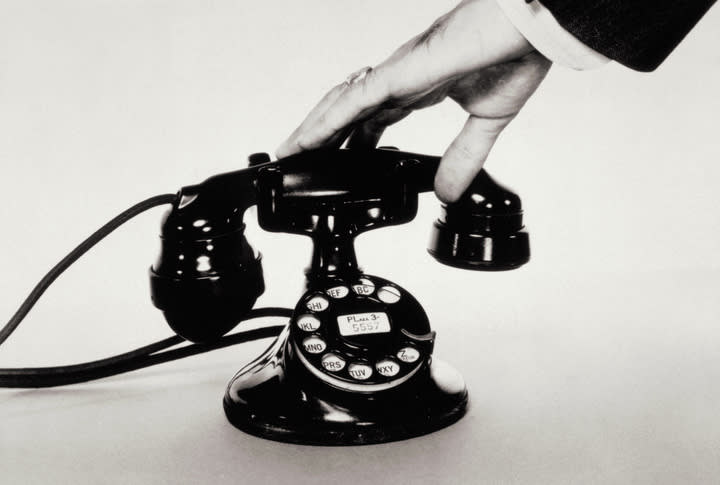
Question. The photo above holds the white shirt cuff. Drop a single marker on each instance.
(538, 25)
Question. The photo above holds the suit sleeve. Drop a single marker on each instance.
(639, 34)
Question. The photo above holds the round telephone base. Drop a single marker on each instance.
(280, 410)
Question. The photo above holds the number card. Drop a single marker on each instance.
(363, 323)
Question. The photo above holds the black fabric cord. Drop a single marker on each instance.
(36, 377)
(148, 355)
(81, 249)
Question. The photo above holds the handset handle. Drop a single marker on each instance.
(322, 177)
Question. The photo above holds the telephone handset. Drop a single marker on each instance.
(354, 365)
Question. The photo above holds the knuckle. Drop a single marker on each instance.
(464, 151)
(373, 87)
(496, 125)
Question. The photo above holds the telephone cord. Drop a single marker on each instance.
(148, 355)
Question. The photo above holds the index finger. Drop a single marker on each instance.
(291, 146)
(354, 101)
(360, 100)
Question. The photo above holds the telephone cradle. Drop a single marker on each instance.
(354, 364)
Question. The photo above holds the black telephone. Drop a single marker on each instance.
(354, 365)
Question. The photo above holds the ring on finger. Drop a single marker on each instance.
(357, 76)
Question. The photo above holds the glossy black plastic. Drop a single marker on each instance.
(334, 195)
(483, 230)
(277, 399)
(204, 280)
(334, 200)
(207, 276)
(286, 395)
(374, 331)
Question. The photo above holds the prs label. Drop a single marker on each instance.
(363, 323)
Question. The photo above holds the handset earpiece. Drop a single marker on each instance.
(483, 230)
(207, 277)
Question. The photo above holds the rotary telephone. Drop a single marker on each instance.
(354, 364)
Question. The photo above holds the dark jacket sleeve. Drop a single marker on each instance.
(639, 34)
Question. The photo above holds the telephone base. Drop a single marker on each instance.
(271, 399)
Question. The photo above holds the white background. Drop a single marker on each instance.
(598, 361)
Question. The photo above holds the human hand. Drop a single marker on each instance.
(473, 55)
